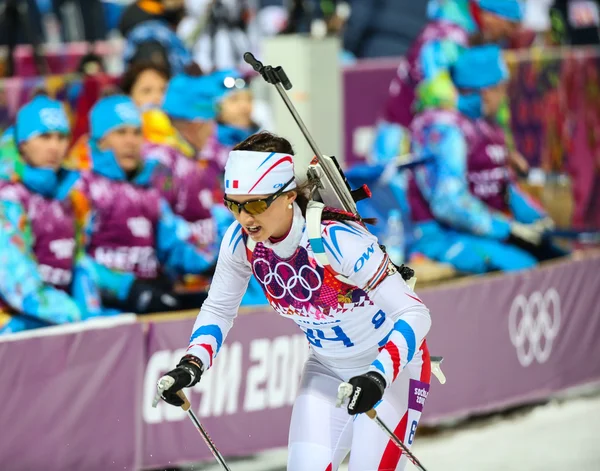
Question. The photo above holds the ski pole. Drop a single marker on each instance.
(164, 384)
(345, 391)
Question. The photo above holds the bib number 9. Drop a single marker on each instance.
(378, 319)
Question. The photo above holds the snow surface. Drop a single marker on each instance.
(558, 436)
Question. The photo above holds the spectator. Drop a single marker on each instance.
(146, 84)
(137, 243)
(218, 30)
(234, 122)
(148, 93)
(86, 93)
(81, 20)
(423, 76)
(192, 198)
(191, 105)
(20, 23)
(467, 209)
(378, 28)
(149, 27)
(44, 279)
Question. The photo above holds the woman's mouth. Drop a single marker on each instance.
(253, 230)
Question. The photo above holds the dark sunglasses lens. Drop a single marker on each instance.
(231, 206)
(255, 207)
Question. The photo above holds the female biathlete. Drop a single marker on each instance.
(368, 330)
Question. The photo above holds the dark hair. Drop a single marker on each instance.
(268, 142)
(265, 141)
(193, 70)
(138, 68)
(39, 91)
(90, 59)
(151, 51)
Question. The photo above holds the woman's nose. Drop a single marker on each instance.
(246, 219)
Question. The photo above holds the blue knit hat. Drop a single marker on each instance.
(511, 10)
(39, 116)
(195, 98)
(111, 113)
(480, 67)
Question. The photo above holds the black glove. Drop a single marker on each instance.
(368, 391)
(146, 296)
(187, 374)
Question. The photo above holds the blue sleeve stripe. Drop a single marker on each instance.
(211, 329)
(317, 245)
(237, 242)
(331, 251)
(351, 228)
(333, 235)
(409, 335)
(377, 364)
(385, 339)
(237, 229)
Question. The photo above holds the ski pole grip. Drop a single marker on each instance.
(186, 403)
(372, 414)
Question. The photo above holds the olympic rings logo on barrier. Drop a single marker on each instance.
(286, 279)
(538, 326)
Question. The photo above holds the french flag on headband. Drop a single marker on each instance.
(258, 173)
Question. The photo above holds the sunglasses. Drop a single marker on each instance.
(254, 207)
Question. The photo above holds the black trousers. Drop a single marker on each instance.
(81, 20)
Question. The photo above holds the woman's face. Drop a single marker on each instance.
(274, 222)
(236, 109)
(126, 144)
(149, 89)
(47, 150)
(492, 98)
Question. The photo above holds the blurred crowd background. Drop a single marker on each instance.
(118, 116)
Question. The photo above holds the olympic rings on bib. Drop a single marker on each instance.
(285, 280)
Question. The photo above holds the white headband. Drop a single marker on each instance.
(258, 173)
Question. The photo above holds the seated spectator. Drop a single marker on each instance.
(138, 245)
(149, 28)
(234, 122)
(146, 84)
(44, 279)
(423, 76)
(192, 198)
(467, 209)
(190, 103)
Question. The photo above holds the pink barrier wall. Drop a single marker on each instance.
(79, 397)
